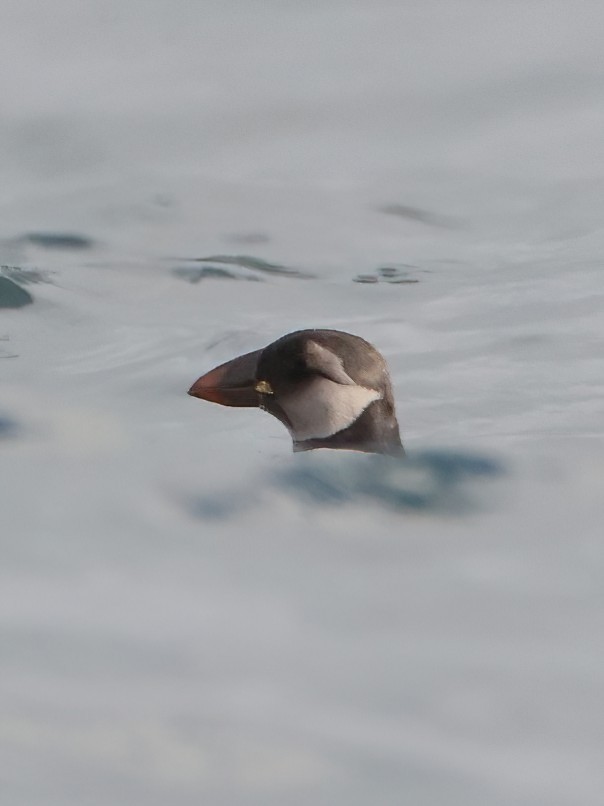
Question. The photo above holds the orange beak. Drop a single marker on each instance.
(230, 384)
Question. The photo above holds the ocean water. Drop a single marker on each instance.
(189, 613)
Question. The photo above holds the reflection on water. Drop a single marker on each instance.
(397, 274)
(254, 264)
(8, 426)
(194, 275)
(423, 216)
(12, 295)
(24, 276)
(57, 240)
(430, 481)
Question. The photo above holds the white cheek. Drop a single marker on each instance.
(322, 408)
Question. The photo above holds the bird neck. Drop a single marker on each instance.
(375, 431)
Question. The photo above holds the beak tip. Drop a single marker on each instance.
(201, 392)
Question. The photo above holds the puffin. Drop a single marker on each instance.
(329, 388)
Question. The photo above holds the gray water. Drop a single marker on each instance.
(188, 612)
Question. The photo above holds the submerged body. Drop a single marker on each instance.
(329, 388)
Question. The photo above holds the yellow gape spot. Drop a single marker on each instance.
(263, 388)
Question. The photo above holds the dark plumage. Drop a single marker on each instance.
(329, 388)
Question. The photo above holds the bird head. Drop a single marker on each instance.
(329, 388)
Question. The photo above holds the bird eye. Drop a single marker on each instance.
(263, 388)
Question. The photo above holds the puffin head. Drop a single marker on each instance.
(330, 389)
